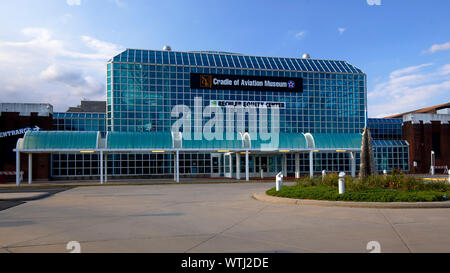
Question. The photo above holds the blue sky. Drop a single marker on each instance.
(55, 50)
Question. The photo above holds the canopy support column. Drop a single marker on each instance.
(30, 168)
(283, 165)
(101, 167)
(311, 163)
(175, 166)
(231, 164)
(238, 166)
(17, 168)
(224, 157)
(297, 165)
(106, 168)
(177, 169)
(353, 163)
(247, 176)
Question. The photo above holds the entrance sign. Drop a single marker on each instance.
(19, 131)
(245, 83)
(224, 103)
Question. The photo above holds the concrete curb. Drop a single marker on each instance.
(378, 205)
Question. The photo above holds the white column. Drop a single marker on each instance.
(231, 165)
(175, 166)
(284, 164)
(297, 165)
(353, 163)
(238, 166)
(101, 167)
(311, 163)
(224, 165)
(30, 168)
(178, 167)
(246, 167)
(17, 168)
(106, 168)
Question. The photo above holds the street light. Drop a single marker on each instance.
(432, 163)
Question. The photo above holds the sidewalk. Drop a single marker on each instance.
(118, 182)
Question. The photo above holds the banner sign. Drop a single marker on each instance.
(18, 131)
(224, 103)
(245, 83)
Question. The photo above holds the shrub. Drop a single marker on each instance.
(394, 187)
(386, 195)
(394, 181)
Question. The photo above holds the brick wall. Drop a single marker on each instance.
(419, 137)
(41, 162)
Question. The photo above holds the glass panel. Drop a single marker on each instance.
(256, 63)
(247, 61)
(230, 61)
(218, 61)
(205, 60)
(211, 60)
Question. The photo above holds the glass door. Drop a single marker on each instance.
(215, 165)
(228, 163)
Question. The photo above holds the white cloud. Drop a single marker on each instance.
(408, 70)
(373, 2)
(73, 2)
(45, 69)
(300, 34)
(341, 30)
(410, 88)
(445, 70)
(118, 3)
(438, 47)
(65, 18)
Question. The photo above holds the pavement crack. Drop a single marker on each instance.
(228, 228)
(396, 231)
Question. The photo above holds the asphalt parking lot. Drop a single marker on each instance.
(210, 218)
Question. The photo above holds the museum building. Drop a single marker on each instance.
(217, 114)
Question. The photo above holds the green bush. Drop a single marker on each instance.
(395, 187)
(394, 181)
(331, 193)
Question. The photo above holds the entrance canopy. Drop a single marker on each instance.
(56, 141)
(64, 141)
(161, 142)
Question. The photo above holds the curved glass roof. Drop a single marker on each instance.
(60, 140)
(130, 140)
(231, 60)
(337, 141)
(212, 144)
(286, 141)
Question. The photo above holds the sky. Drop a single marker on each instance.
(55, 51)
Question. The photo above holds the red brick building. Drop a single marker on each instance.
(15, 120)
(427, 130)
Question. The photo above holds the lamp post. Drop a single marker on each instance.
(432, 163)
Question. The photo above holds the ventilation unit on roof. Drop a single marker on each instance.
(306, 56)
(167, 48)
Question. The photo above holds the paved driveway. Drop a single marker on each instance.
(211, 218)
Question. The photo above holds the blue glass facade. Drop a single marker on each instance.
(65, 121)
(385, 129)
(391, 154)
(390, 151)
(76, 165)
(144, 85)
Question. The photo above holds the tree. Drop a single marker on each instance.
(367, 166)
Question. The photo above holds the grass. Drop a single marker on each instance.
(395, 187)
